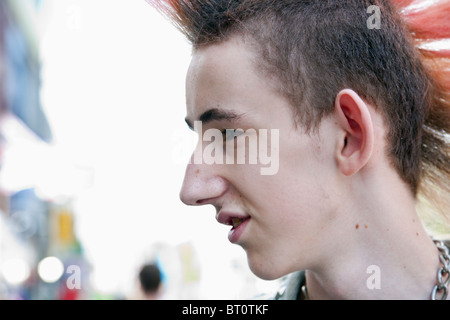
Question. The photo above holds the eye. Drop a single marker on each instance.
(230, 134)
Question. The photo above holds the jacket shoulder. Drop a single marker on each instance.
(290, 287)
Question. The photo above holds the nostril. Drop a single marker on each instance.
(201, 187)
(203, 201)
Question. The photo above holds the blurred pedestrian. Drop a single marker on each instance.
(150, 281)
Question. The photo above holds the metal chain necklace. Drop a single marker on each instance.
(443, 275)
(440, 290)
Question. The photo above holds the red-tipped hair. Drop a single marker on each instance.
(428, 25)
(431, 22)
(401, 4)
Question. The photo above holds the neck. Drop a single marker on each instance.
(381, 252)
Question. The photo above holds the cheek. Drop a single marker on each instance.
(295, 203)
(307, 169)
(298, 189)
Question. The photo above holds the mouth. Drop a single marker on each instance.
(237, 222)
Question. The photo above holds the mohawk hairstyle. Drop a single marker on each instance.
(315, 48)
(202, 22)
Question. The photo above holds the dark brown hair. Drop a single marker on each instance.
(150, 278)
(315, 48)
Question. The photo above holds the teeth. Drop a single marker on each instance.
(236, 222)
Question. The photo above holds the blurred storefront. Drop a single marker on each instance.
(40, 256)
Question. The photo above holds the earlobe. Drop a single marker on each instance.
(355, 144)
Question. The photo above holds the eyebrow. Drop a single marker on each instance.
(214, 114)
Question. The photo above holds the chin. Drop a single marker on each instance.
(264, 268)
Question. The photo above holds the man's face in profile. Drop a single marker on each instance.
(276, 218)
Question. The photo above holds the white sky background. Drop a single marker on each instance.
(113, 89)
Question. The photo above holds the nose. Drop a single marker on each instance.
(202, 185)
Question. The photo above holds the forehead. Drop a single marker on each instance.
(225, 63)
(223, 74)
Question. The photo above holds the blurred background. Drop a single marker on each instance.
(93, 152)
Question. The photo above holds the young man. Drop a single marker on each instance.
(359, 121)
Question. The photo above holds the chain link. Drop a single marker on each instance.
(440, 290)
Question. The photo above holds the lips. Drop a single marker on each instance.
(237, 221)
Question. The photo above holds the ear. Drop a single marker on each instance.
(355, 143)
